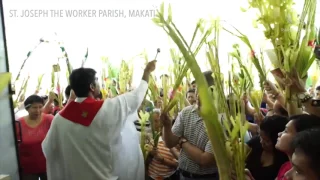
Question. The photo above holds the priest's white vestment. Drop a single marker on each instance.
(128, 152)
(84, 137)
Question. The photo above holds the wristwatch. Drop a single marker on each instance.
(182, 141)
(304, 97)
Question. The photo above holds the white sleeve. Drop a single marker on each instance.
(49, 143)
(131, 101)
(51, 153)
(127, 103)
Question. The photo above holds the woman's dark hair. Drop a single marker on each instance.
(303, 122)
(81, 79)
(308, 142)
(272, 126)
(32, 99)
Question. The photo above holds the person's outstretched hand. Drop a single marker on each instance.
(151, 66)
(52, 96)
(270, 87)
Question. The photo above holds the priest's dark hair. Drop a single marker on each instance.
(81, 79)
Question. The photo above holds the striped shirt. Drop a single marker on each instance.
(190, 126)
(158, 170)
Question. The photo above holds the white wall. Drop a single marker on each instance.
(8, 158)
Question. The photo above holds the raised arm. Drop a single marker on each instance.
(131, 101)
(171, 134)
(48, 106)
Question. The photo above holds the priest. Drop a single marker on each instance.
(82, 140)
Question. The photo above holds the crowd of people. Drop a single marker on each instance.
(94, 139)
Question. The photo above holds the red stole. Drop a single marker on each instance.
(81, 113)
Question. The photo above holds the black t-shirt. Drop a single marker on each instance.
(253, 162)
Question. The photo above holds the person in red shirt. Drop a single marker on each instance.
(34, 128)
(48, 109)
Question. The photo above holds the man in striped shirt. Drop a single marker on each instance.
(163, 164)
(196, 160)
